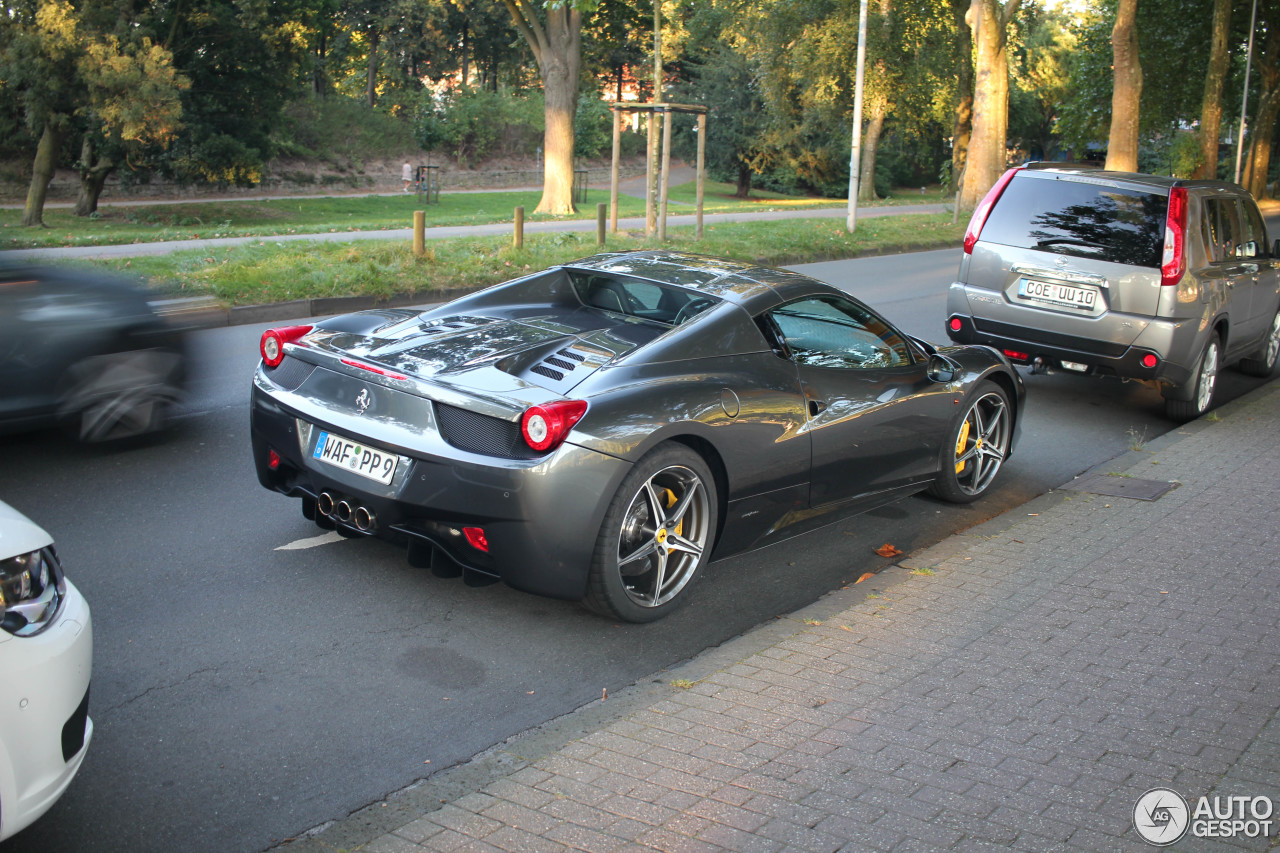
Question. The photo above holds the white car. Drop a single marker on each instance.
(46, 658)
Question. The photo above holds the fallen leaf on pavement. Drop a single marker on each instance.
(865, 576)
(887, 550)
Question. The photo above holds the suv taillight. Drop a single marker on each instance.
(983, 210)
(1173, 263)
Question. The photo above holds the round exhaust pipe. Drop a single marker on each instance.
(365, 519)
(343, 511)
(324, 504)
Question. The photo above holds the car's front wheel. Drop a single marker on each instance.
(1202, 385)
(1263, 362)
(656, 536)
(119, 395)
(977, 447)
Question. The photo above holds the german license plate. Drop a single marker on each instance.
(1058, 294)
(355, 457)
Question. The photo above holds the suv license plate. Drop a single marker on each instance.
(1058, 294)
(355, 457)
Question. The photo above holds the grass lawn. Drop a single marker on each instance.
(203, 220)
(277, 272)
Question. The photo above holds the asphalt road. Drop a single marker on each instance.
(254, 678)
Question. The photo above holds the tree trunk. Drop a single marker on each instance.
(1264, 123)
(319, 72)
(466, 55)
(1264, 129)
(963, 126)
(371, 78)
(557, 46)
(561, 88)
(1122, 144)
(870, 143)
(41, 174)
(92, 177)
(744, 181)
(1211, 107)
(987, 146)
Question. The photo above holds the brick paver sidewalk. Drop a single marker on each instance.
(1019, 686)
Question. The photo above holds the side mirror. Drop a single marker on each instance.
(941, 368)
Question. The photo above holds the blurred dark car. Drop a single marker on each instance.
(84, 351)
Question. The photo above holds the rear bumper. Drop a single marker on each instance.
(1023, 345)
(541, 517)
(44, 713)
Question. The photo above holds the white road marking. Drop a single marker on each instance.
(313, 542)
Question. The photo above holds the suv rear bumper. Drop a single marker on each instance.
(1100, 358)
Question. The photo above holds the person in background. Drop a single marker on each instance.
(406, 173)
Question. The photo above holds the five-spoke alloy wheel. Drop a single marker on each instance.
(656, 536)
(978, 447)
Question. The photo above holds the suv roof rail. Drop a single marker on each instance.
(1060, 164)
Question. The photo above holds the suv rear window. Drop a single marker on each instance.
(1084, 220)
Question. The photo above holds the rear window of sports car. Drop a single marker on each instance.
(646, 300)
(1083, 220)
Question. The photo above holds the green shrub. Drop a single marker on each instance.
(592, 127)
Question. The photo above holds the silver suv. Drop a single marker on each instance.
(1121, 274)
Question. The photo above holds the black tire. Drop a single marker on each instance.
(656, 537)
(1203, 382)
(1263, 362)
(976, 447)
(119, 395)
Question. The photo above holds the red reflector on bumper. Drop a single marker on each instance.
(476, 538)
(1150, 360)
(1017, 356)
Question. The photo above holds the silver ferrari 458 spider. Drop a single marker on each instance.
(600, 430)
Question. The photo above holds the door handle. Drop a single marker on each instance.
(816, 407)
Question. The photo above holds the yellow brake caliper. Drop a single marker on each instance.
(960, 443)
(671, 501)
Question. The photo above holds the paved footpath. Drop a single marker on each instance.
(1018, 686)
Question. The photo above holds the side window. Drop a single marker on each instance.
(829, 331)
(1253, 240)
(1220, 233)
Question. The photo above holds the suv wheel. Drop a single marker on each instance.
(1206, 377)
(1262, 362)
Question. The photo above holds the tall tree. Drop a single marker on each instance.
(962, 123)
(1211, 106)
(1268, 108)
(555, 37)
(1122, 143)
(986, 158)
(72, 77)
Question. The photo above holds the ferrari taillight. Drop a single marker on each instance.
(545, 427)
(273, 340)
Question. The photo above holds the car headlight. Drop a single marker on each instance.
(31, 591)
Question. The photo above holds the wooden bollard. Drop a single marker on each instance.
(601, 209)
(419, 232)
(518, 238)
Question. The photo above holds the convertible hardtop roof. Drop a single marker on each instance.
(732, 281)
